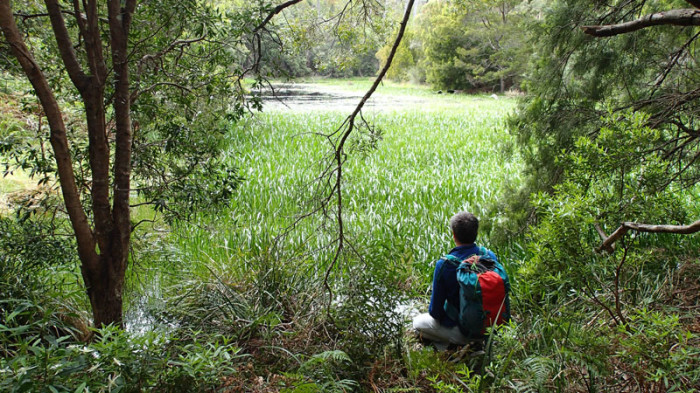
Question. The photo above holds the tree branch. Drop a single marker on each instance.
(627, 226)
(339, 154)
(681, 17)
(119, 26)
(274, 12)
(93, 41)
(694, 3)
(65, 46)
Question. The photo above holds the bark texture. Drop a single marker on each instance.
(682, 17)
(627, 226)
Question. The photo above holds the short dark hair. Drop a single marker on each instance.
(464, 226)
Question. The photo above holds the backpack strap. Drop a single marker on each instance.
(452, 260)
(450, 309)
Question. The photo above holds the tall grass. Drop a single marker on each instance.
(234, 276)
(430, 163)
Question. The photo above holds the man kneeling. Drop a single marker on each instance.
(442, 322)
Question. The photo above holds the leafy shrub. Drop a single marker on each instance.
(658, 353)
(30, 253)
(118, 361)
(583, 313)
(608, 180)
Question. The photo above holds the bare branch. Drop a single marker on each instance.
(173, 45)
(137, 93)
(627, 226)
(675, 58)
(339, 150)
(274, 12)
(681, 17)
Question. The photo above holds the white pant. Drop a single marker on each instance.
(431, 329)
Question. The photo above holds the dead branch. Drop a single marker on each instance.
(681, 17)
(627, 226)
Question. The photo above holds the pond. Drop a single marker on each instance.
(296, 97)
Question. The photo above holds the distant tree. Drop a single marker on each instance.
(325, 38)
(474, 44)
(403, 61)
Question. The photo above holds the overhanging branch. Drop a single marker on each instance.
(348, 126)
(627, 226)
(681, 17)
(274, 12)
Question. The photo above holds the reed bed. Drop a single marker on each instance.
(434, 160)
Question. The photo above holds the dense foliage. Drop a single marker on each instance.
(577, 80)
(467, 45)
(232, 285)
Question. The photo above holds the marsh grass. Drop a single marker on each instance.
(429, 164)
(230, 272)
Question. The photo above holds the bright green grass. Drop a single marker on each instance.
(433, 161)
(17, 181)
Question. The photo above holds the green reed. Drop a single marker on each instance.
(448, 154)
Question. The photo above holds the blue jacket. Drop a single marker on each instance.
(445, 285)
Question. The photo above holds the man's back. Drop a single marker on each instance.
(445, 285)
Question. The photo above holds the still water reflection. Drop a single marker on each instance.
(313, 97)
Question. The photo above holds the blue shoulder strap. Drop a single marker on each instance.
(452, 260)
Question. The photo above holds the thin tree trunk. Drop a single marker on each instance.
(58, 138)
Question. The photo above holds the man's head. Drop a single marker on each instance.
(464, 227)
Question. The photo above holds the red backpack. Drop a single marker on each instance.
(483, 294)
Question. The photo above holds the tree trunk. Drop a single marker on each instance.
(104, 250)
(105, 291)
